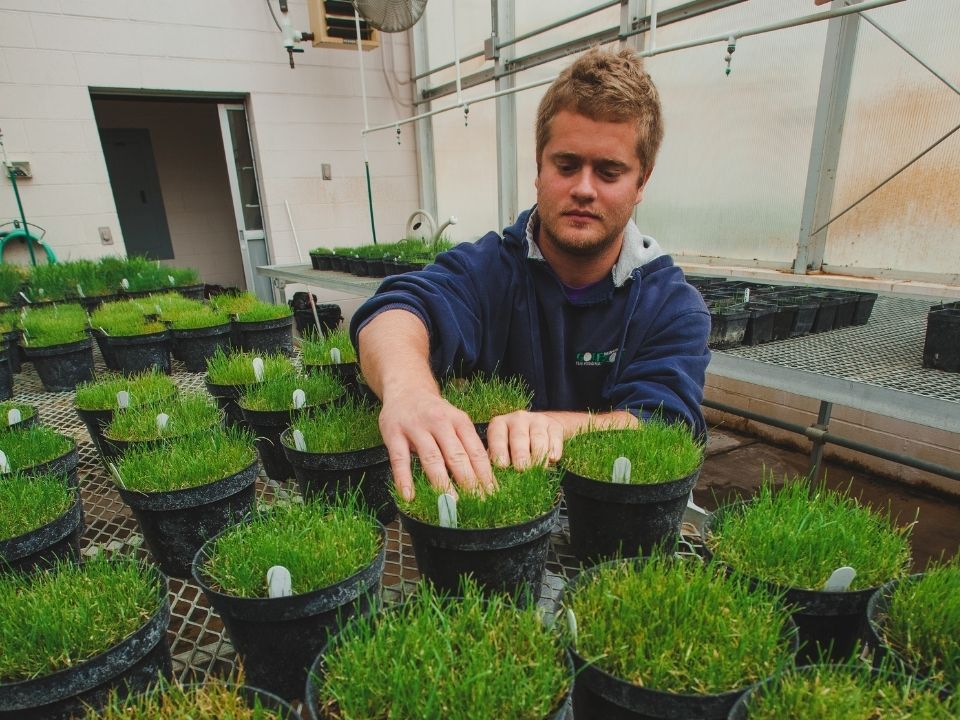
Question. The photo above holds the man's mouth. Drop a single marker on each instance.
(580, 215)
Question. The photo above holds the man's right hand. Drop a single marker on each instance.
(444, 439)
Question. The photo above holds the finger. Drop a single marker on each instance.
(398, 450)
(432, 461)
(477, 454)
(539, 441)
(456, 459)
(520, 445)
(498, 450)
(555, 431)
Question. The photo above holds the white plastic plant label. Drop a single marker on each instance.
(257, 363)
(116, 474)
(125, 284)
(162, 420)
(299, 399)
(335, 356)
(4, 463)
(14, 417)
(840, 579)
(123, 399)
(572, 625)
(159, 311)
(171, 280)
(298, 442)
(279, 583)
(621, 470)
(80, 290)
(447, 507)
(41, 292)
(746, 294)
(26, 300)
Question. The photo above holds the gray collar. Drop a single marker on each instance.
(638, 249)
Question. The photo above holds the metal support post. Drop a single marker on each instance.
(817, 433)
(835, 75)
(426, 165)
(502, 22)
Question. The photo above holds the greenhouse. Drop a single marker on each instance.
(371, 359)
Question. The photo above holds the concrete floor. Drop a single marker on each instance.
(735, 463)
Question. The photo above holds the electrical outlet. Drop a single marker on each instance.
(325, 172)
(21, 168)
(106, 235)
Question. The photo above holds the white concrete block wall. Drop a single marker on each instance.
(52, 53)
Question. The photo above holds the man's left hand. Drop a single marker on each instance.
(523, 438)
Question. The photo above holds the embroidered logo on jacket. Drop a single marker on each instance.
(596, 358)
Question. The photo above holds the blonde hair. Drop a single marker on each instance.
(606, 86)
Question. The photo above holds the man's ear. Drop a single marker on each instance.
(643, 185)
(536, 180)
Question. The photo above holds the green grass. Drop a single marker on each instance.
(145, 388)
(236, 368)
(434, 657)
(233, 303)
(658, 452)
(190, 413)
(264, 311)
(32, 446)
(923, 622)
(9, 319)
(196, 318)
(72, 279)
(29, 503)
(797, 536)
(56, 325)
(169, 304)
(26, 411)
(12, 279)
(277, 394)
(213, 700)
(849, 693)
(187, 462)
(484, 398)
(317, 352)
(319, 544)
(679, 626)
(341, 428)
(522, 495)
(321, 251)
(59, 618)
(143, 274)
(125, 318)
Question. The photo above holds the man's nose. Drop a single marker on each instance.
(585, 185)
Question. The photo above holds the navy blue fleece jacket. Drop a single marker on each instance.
(636, 341)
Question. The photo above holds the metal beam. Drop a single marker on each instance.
(426, 165)
(666, 17)
(503, 23)
(838, 56)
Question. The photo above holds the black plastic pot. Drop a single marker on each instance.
(846, 308)
(617, 519)
(865, 303)
(727, 328)
(323, 262)
(268, 426)
(328, 475)
(329, 315)
(760, 325)
(268, 336)
(826, 314)
(193, 347)
(136, 353)
(65, 464)
(278, 638)
(62, 367)
(375, 267)
(338, 263)
(346, 373)
(131, 666)
(12, 342)
(6, 375)
(941, 347)
(175, 524)
(194, 292)
(59, 539)
(311, 695)
(315, 261)
(106, 352)
(784, 319)
(507, 560)
(226, 397)
(358, 266)
(807, 309)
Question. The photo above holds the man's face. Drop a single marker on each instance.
(588, 182)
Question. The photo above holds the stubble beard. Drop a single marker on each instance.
(581, 248)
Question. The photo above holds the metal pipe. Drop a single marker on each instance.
(827, 437)
(722, 37)
(558, 23)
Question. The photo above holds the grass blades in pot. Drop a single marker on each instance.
(228, 374)
(97, 401)
(317, 355)
(269, 407)
(214, 700)
(634, 515)
(264, 327)
(55, 340)
(197, 334)
(850, 691)
(73, 633)
(334, 558)
(188, 489)
(39, 450)
(187, 414)
(917, 619)
(28, 416)
(671, 637)
(794, 538)
(343, 454)
(483, 398)
(41, 520)
(436, 656)
(131, 342)
(499, 539)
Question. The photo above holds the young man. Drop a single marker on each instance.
(573, 298)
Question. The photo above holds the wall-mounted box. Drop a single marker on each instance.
(333, 26)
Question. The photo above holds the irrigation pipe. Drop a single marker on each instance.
(708, 40)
